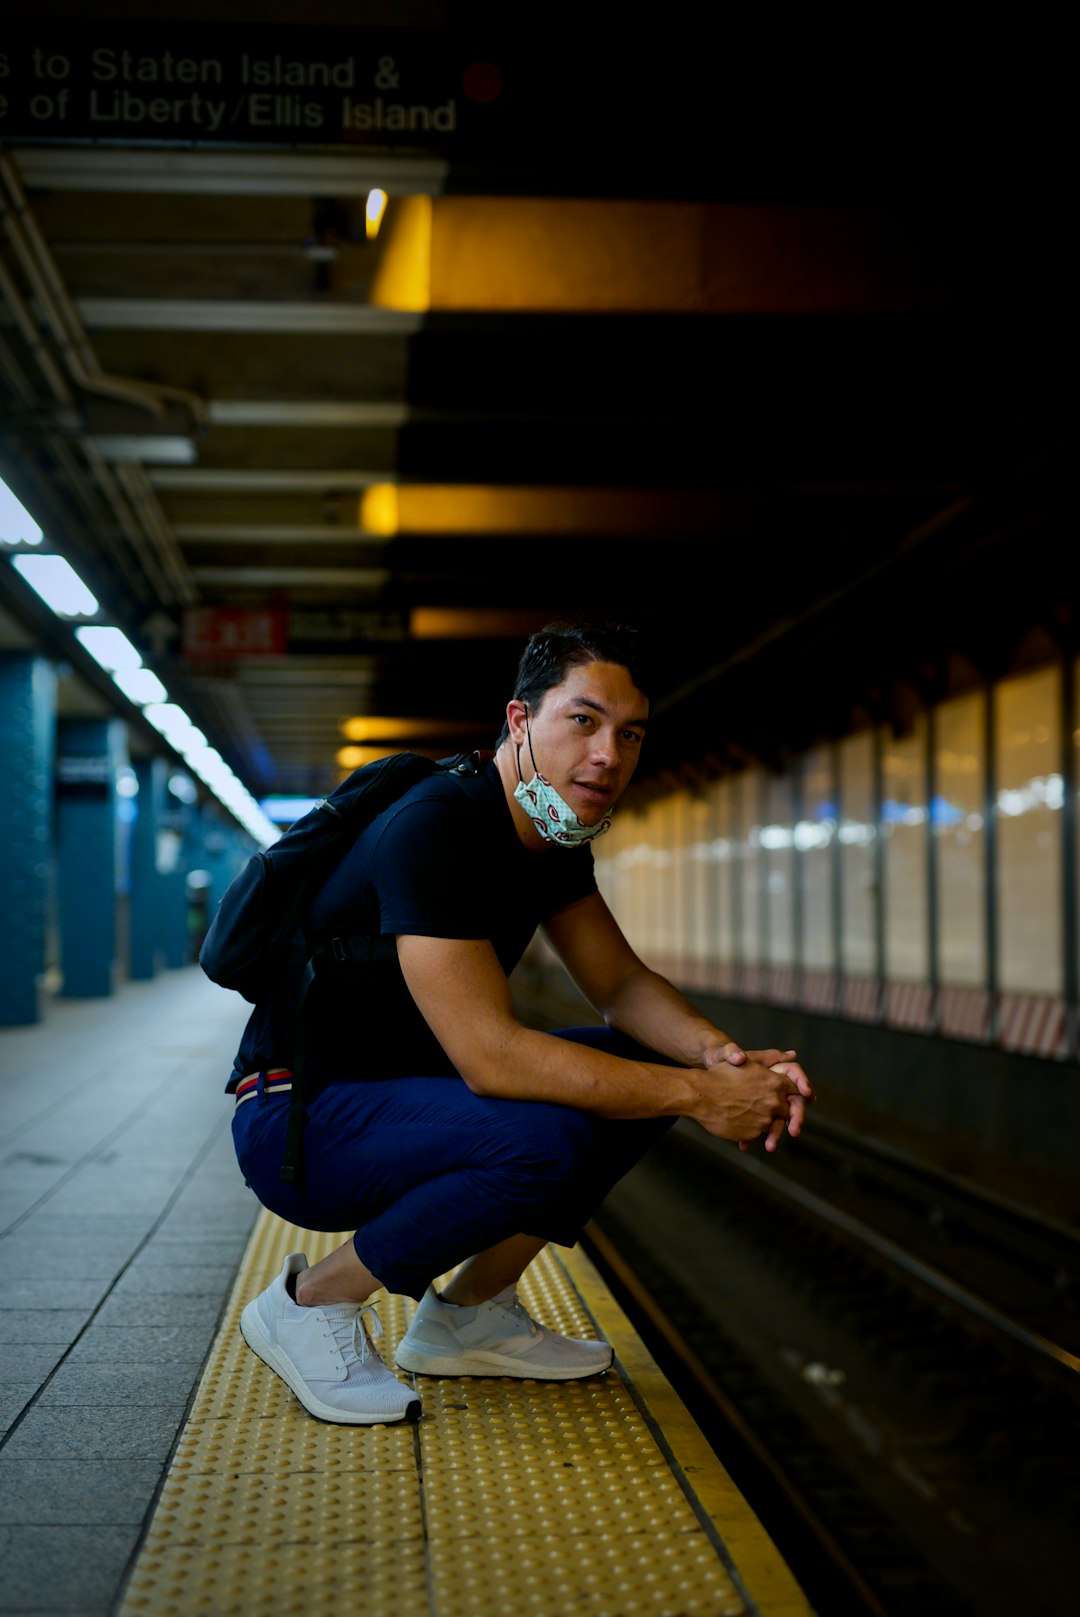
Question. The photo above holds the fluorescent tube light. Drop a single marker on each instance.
(17, 526)
(58, 584)
(141, 686)
(110, 648)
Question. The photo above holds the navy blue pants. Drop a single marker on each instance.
(427, 1173)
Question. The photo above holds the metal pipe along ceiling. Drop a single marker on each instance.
(128, 492)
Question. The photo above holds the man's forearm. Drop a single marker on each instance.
(652, 1011)
(732, 1102)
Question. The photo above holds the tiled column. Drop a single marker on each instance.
(226, 849)
(147, 890)
(27, 738)
(89, 754)
(180, 836)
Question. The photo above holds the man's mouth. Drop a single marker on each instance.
(597, 793)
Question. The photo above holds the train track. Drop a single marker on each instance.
(884, 1359)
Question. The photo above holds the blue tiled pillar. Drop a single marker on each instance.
(179, 835)
(27, 736)
(89, 754)
(204, 845)
(226, 850)
(147, 888)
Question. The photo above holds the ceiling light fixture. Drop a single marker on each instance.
(356, 757)
(374, 209)
(110, 648)
(148, 448)
(140, 685)
(373, 729)
(58, 585)
(379, 509)
(17, 526)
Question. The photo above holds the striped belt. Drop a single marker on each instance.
(274, 1079)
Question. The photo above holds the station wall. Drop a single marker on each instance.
(915, 889)
(917, 880)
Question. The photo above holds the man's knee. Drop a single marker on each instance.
(546, 1142)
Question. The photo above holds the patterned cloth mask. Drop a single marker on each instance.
(551, 814)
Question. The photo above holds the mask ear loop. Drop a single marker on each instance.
(532, 755)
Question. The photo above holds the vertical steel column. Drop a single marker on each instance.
(876, 797)
(27, 743)
(990, 862)
(737, 864)
(797, 896)
(1068, 855)
(836, 871)
(765, 967)
(933, 951)
(711, 879)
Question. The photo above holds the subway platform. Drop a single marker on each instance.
(150, 1464)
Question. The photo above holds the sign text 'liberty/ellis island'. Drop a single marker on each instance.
(166, 93)
(266, 110)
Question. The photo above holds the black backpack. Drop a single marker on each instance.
(257, 942)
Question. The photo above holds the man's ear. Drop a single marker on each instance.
(515, 718)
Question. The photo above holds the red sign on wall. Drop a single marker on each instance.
(212, 633)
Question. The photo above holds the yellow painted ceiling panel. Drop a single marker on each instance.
(478, 509)
(556, 255)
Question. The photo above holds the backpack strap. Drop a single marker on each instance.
(360, 948)
(292, 1158)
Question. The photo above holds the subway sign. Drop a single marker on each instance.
(184, 85)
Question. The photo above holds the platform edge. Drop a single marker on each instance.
(764, 1574)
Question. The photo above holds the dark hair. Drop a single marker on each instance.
(558, 647)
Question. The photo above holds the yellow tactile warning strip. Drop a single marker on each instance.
(594, 1498)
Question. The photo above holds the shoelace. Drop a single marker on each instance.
(350, 1332)
(518, 1311)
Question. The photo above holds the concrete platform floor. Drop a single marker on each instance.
(123, 1220)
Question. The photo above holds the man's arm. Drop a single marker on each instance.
(630, 997)
(641, 1003)
(463, 995)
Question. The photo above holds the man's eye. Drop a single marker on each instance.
(632, 736)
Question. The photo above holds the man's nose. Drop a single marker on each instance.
(606, 749)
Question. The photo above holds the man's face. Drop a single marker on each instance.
(586, 737)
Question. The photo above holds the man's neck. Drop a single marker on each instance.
(507, 765)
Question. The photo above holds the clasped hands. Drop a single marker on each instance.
(774, 1089)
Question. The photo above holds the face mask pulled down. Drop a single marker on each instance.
(551, 814)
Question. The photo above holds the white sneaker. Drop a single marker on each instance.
(325, 1355)
(496, 1338)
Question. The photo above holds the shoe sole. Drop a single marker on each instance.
(489, 1364)
(252, 1332)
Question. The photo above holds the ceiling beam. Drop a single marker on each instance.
(281, 174)
(237, 314)
(239, 533)
(306, 413)
(279, 578)
(229, 480)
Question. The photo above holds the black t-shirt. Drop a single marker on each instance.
(445, 861)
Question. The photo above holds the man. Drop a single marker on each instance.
(449, 1135)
